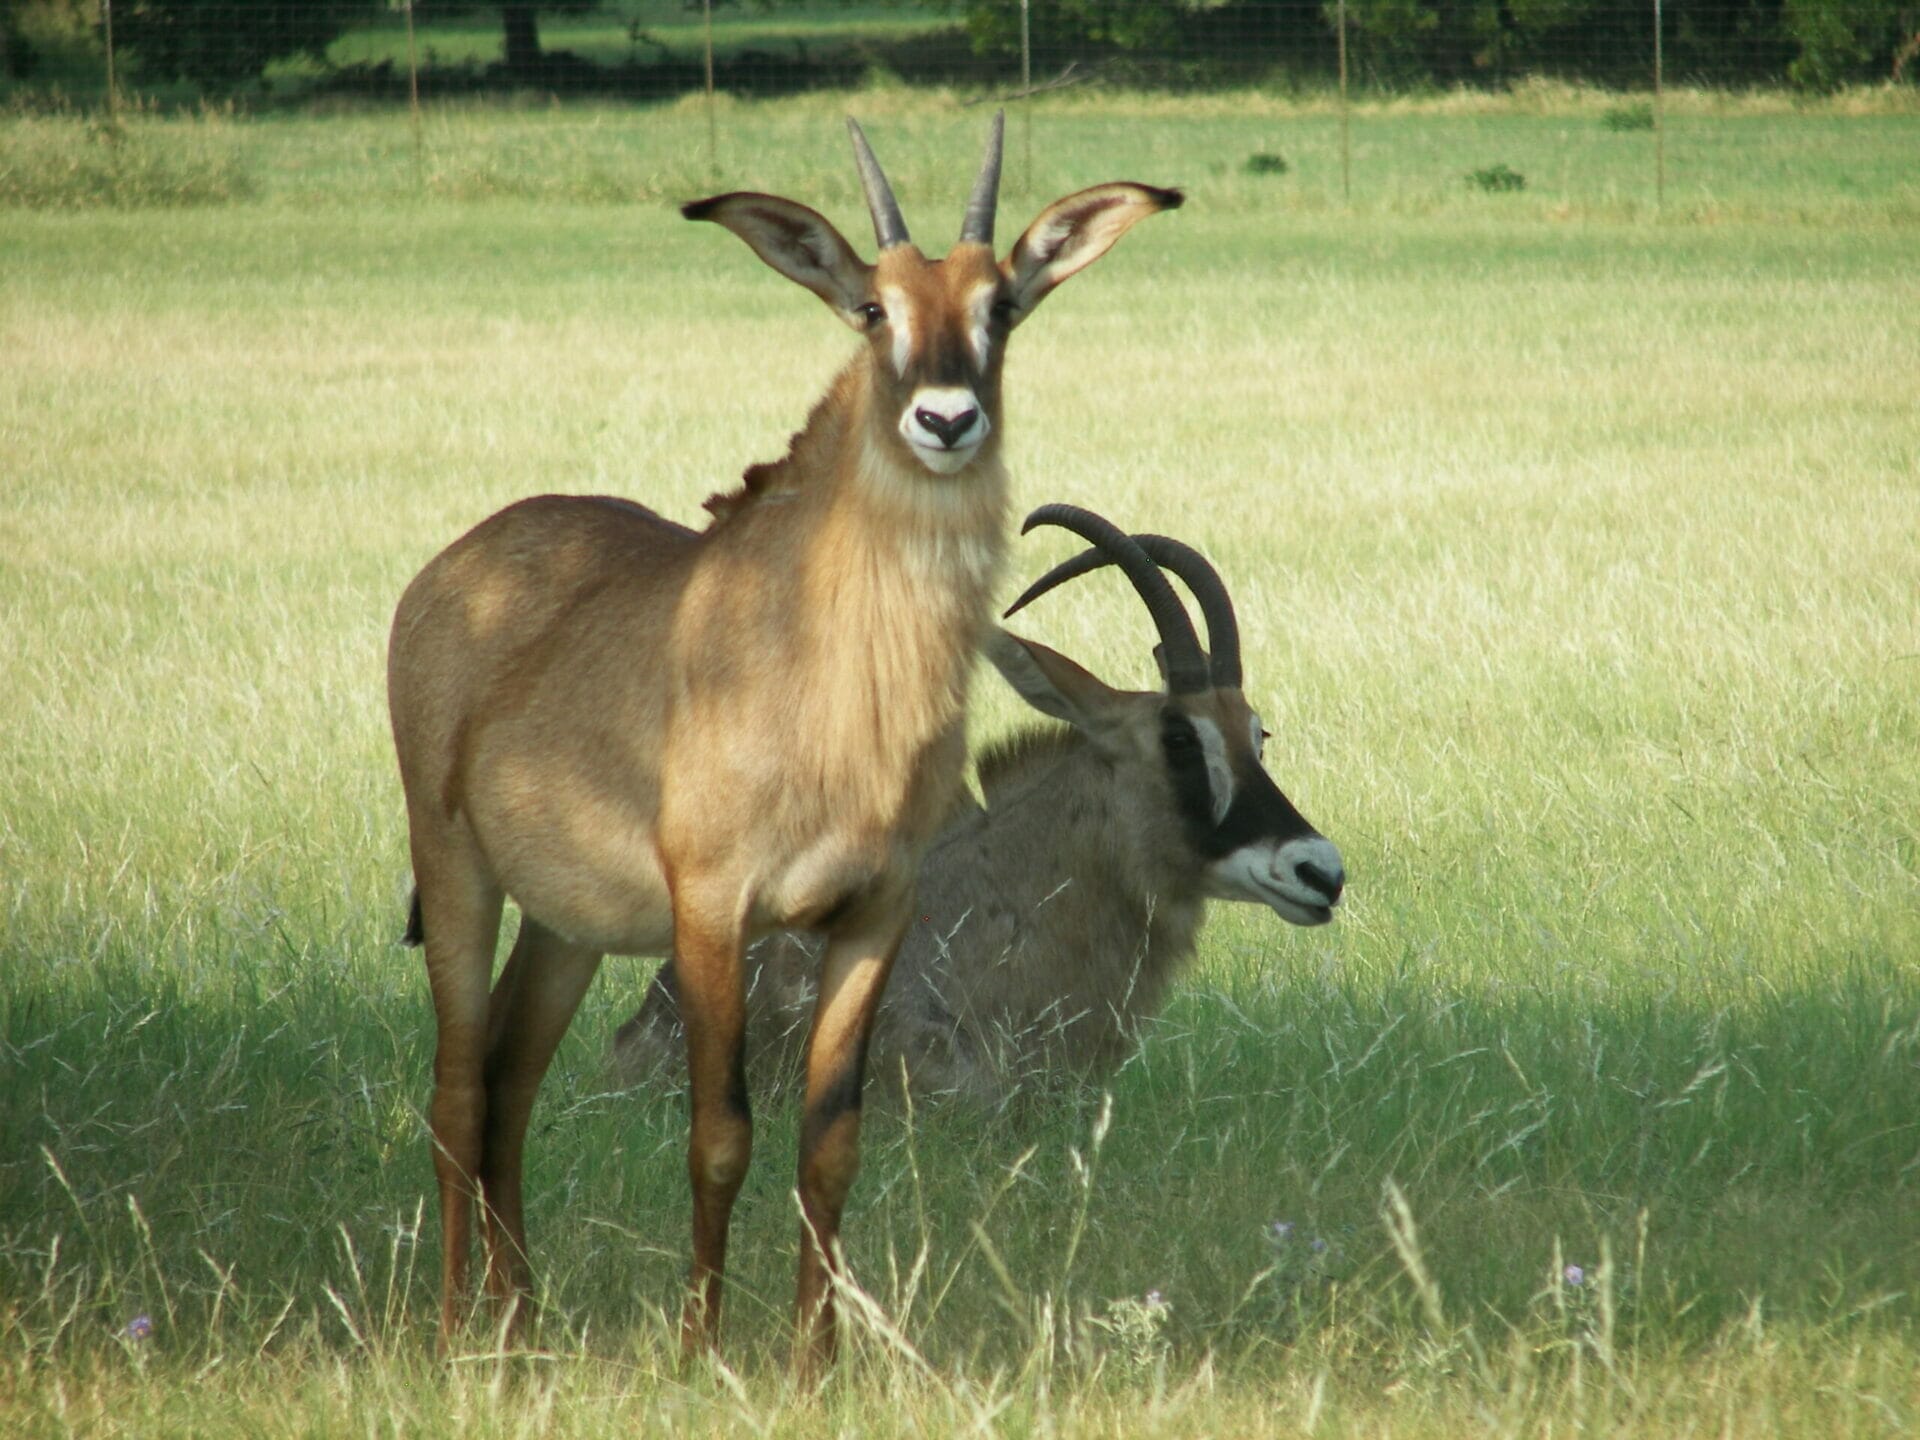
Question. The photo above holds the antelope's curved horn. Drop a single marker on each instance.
(888, 228)
(1194, 570)
(1186, 666)
(977, 228)
(1223, 626)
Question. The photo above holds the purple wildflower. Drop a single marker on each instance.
(1574, 1275)
(1155, 1300)
(1280, 1231)
(139, 1327)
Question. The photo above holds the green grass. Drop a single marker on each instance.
(1727, 157)
(1576, 556)
(604, 37)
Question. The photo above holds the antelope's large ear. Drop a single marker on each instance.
(800, 243)
(1071, 234)
(1049, 682)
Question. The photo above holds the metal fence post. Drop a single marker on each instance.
(713, 124)
(1659, 117)
(1346, 141)
(1026, 89)
(413, 104)
(113, 89)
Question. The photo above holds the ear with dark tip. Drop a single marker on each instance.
(1049, 681)
(1072, 233)
(800, 243)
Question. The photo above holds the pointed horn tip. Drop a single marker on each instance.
(1048, 512)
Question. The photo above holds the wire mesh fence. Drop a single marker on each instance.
(1614, 63)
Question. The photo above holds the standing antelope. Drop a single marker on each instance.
(658, 741)
(1049, 924)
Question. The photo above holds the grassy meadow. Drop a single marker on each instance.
(645, 30)
(1577, 549)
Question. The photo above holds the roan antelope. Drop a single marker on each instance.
(656, 741)
(1049, 924)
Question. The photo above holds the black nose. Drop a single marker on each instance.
(948, 429)
(1327, 883)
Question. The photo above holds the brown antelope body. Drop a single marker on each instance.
(656, 741)
(1049, 924)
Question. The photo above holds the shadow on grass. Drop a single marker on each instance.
(222, 1146)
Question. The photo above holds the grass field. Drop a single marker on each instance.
(606, 37)
(1578, 553)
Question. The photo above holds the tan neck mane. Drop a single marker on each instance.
(812, 450)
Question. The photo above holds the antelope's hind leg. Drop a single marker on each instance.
(533, 1002)
(460, 921)
(853, 975)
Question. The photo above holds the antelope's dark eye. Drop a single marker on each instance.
(1003, 309)
(1179, 739)
(870, 314)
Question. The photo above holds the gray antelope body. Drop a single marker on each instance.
(660, 741)
(1049, 923)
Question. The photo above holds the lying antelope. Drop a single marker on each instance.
(655, 741)
(1050, 923)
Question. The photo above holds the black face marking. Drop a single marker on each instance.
(948, 360)
(1259, 811)
(1186, 758)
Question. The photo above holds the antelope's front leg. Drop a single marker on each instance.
(853, 974)
(706, 959)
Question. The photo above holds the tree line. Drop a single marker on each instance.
(221, 45)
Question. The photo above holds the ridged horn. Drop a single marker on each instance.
(977, 228)
(1199, 576)
(888, 228)
(1186, 666)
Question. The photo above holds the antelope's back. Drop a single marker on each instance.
(512, 619)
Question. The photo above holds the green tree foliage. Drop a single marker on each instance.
(994, 25)
(1810, 43)
(1841, 40)
(220, 44)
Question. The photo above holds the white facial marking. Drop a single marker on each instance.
(1268, 872)
(980, 311)
(1219, 773)
(1259, 736)
(900, 318)
(957, 409)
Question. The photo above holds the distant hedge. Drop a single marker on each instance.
(1815, 44)
(220, 44)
